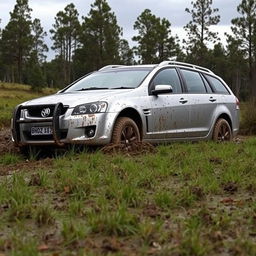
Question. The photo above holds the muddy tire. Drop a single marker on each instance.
(125, 131)
(222, 131)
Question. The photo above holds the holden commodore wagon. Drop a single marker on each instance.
(125, 104)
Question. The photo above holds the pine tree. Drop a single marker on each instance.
(17, 40)
(35, 75)
(217, 60)
(244, 31)
(155, 42)
(39, 45)
(100, 38)
(126, 53)
(1, 56)
(237, 67)
(65, 34)
(198, 30)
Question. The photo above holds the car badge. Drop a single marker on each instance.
(45, 112)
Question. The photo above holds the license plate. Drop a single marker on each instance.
(41, 130)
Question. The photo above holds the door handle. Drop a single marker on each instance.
(183, 101)
(212, 99)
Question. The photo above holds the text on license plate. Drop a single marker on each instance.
(47, 130)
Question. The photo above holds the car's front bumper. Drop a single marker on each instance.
(70, 129)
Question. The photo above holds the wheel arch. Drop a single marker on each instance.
(134, 115)
(227, 118)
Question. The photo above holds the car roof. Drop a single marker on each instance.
(162, 64)
(112, 67)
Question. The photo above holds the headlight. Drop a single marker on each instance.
(90, 108)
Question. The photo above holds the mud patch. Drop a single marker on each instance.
(27, 166)
(230, 187)
(6, 144)
(131, 149)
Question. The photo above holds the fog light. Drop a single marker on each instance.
(90, 131)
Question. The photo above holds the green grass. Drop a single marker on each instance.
(186, 199)
(14, 94)
(8, 158)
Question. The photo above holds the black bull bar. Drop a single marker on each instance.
(58, 110)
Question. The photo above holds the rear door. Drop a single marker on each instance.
(202, 102)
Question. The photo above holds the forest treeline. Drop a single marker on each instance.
(86, 44)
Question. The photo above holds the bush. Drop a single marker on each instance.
(248, 118)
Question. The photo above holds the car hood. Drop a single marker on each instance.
(73, 99)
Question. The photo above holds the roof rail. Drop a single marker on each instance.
(110, 66)
(184, 64)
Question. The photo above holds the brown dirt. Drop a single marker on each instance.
(6, 144)
(230, 187)
(132, 149)
(26, 165)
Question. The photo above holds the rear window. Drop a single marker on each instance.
(217, 85)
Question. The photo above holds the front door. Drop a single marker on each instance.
(169, 113)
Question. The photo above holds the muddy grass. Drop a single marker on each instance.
(13, 160)
(131, 150)
(177, 199)
(44, 158)
(6, 145)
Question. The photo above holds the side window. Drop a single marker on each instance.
(168, 76)
(206, 83)
(218, 86)
(193, 81)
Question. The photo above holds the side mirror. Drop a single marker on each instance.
(162, 88)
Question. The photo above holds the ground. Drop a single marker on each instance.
(176, 199)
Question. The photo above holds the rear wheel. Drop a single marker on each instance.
(125, 131)
(222, 131)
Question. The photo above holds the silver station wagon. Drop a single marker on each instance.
(124, 104)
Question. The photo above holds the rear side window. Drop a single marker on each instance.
(206, 83)
(168, 76)
(193, 81)
(218, 86)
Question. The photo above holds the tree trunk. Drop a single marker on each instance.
(69, 58)
(12, 74)
(20, 66)
(253, 81)
(238, 83)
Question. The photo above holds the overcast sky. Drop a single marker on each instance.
(127, 12)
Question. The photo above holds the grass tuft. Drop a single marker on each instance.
(44, 215)
(119, 222)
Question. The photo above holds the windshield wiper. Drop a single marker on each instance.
(123, 87)
(92, 88)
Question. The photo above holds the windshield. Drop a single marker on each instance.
(114, 79)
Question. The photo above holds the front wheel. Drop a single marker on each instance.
(125, 131)
(222, 131)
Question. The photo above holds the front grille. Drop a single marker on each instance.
(35, 111)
